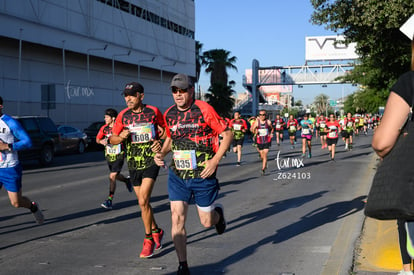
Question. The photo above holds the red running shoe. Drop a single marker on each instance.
(158, 238)
(147, 249)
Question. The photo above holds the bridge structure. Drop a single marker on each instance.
(312, 74)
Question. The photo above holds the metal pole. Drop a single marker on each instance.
(139, 66)
(255, 80)
(19, 72)
(64, 78)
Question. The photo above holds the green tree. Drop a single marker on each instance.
(374, 25)
(220, 97)
(321, 103)
(199, 59)
(217, 62)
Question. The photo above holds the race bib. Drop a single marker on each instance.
(237, 127)
(332, 134)
(278, 126)
(349, 124)
(185, 159)
(263, 132)
(292, 128)
(323, 125)
(142, 133)
(113, 149)
(305, 131)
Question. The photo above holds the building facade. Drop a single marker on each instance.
(71, 59)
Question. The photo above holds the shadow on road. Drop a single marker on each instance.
(310, 221)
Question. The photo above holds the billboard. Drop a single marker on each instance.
(323, 48)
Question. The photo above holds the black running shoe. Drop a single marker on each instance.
(221, 225)
(129, 185)
(183, 270)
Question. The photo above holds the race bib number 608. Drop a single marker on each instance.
(142, 133)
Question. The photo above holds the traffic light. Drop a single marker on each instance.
(292, 101)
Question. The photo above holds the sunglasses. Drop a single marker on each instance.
(178, 90)
(262, 114)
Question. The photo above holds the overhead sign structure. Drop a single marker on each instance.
(325, 48)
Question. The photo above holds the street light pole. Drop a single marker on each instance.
(165, 65)
(87, 59)
(113, 72)
(139, 66)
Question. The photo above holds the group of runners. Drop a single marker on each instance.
(143, 136)
(329, 129)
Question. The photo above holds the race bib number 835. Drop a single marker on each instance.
(185, 160)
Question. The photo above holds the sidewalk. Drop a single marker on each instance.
(378, 250)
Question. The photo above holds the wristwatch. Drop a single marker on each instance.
(10, 147)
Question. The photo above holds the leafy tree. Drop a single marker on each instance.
(374, 25)
(299, 103)
(321, 103)
(198, 62)
(220, 97)
(217, 62)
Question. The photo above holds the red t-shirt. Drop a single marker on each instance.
(194, 133)
(292, 123)
(333, 128)
(143, 127)
(279, 123)
(112, 152)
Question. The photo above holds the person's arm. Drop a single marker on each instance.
(118, 139)
(166, 148)
(271, 127)
(212, 164)
(100, 137)
(244, 129)
(119, 132)
(253, 127)
(386, 134)
(23, 140)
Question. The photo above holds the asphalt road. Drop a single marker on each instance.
(292, 221)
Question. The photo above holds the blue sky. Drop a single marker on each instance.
(271, 31)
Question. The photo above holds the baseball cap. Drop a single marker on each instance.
(133, 88)
(181, 81)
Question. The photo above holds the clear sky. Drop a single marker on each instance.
(271, 31)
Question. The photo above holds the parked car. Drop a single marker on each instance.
(72, 139)
(45, 139)
(92, 132)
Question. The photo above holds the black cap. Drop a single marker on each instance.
(133, 88)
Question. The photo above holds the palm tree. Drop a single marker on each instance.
(321, 103)
(217, 62)
(198, 62)
(220, 97)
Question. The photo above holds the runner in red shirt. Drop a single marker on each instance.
(141, 127)
(292, 126)
(279, 128)
(114, 155)
(332, 136)
(193, 127)
(239, 128)
(262, 128)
